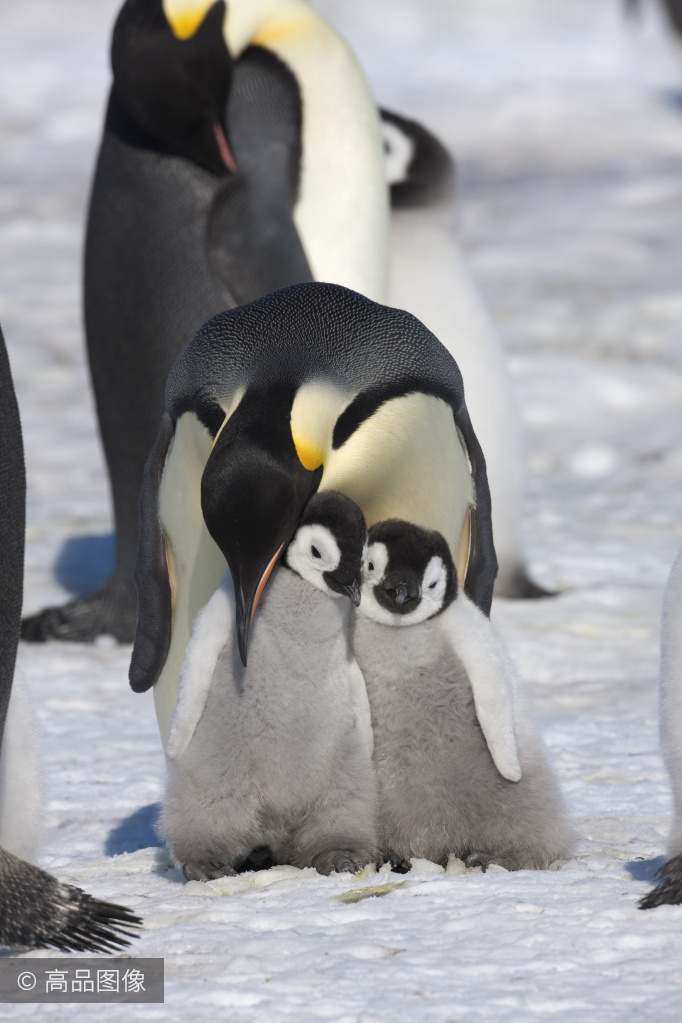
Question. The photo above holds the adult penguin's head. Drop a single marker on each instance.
(172, 73)
(253, 492)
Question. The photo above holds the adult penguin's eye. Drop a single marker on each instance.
(315, 553)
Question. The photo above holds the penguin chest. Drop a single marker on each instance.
(278, 722)
(427, 740)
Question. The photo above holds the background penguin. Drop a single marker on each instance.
(669, 889)
(36, 910)
(310, 388)
(428, 278)
(460, 767)
(241, 153)
(278, 756)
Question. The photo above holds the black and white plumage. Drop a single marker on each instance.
(429, 278)
(461, 768)
(36, 910)
(274, 761)
(311, 388)
(241, 153)
(669, 889)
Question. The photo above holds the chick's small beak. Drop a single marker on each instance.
(345, 587)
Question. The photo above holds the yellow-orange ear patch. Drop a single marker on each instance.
(309, 455)
(185, 16)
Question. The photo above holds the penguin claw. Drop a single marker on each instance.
(399, 864)
(341, 861)
(202, 871)
(84, 619)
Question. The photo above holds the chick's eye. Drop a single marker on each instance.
(314, 551)
(432, 586)
(370, 566)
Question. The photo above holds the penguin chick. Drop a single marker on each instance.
(277, 755)
(460, 767)
(669, 889)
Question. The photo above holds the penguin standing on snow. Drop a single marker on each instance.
(36, 910)
(311, 388)
(460, 767)
(241, 153)
(669, 889)
(429, 279)
(276, 758)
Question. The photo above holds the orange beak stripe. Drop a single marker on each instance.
(225, 151)
(263, 581)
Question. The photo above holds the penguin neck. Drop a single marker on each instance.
(121, 123)
(337, 105)
(314, 621)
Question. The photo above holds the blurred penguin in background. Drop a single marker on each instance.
(36, 910)
(429, 278)
(669, 889)
(241, 153)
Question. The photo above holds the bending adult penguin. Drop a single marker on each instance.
(669, 889)
(36, 910)
(241, 153)
(429, 278)
(456, 774)
(313, 387)
(274, 761)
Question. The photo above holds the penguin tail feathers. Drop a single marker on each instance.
(38, 911)
(669, 890)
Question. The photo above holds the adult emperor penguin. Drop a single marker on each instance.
(456, 774)
(429, 278)
(36, 910)
(313, 387)
(669, 889)
(241, 153)
(274, 760)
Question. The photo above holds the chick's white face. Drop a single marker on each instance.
(432, 589)
(312, 552)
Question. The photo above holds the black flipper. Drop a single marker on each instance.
(253, 245)
(152, 636)
(669, 890)
(36, 910)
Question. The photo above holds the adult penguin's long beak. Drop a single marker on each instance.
(246, 606)
(253, 492)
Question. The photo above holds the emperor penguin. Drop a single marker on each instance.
(276, 758)
(36, 910)
(669, 889)
(311, 388)
(429, 278)
(241, 153)
(461, 768)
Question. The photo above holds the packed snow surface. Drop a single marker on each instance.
(567, 125)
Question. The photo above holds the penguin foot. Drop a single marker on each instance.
(343, 861)
(478, 860)
(202, 871)
(37, 911)
(84, 619)
(399, 865)
(669, 890)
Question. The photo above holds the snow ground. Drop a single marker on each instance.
(567, 125)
